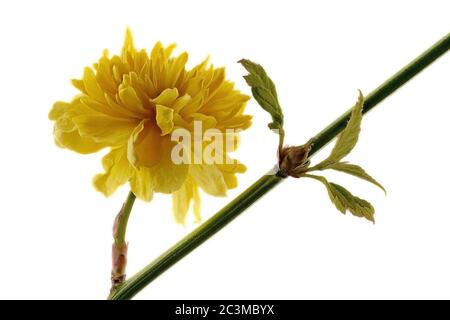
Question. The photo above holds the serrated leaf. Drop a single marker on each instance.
(357, 206)
(345, 201)
(356, 171)
(347, 139)
(264, 92)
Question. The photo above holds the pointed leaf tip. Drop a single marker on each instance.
(345, 201)
(264, 91)
(356, 171)
(348, 138)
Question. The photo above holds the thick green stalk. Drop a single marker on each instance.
(136, 283)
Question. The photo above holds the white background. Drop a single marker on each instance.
(56, 230)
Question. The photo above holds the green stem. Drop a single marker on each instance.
(136, 283)
(120, 246)
(122, 220)
(280, 141)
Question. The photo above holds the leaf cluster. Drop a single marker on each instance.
(294, 160)
(343, 199)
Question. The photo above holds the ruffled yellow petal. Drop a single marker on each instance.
(79, 84)
(209, 178)
(141, 184)
(58, 110)
(182, 199)
(196, 208)
(130, 100)
(106, 107)
(144, 145)
(166, 176)
(168, 50)
(65, 132)
(167, 97)
(128, 44)
(208, 122)
(118, 171)
(147, 149)
(164, 119)
(232, 166)
(181, 102)
(230, 180)
(91, 85)
(229, 172)
(73, 141)
(105, 77)
(65, 124)
(176, 69)
(239, 122)
(193, 105)
(105, 129)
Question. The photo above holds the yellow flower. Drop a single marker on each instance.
(132, 103)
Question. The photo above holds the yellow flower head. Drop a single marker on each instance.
(132, 103)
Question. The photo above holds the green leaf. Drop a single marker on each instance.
(345, 201)
(357, 206)
(264, 92)
(356, 171)
(347, 139)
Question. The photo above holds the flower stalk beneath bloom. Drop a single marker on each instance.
(120, 246)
